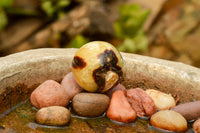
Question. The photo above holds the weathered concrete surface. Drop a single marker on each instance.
(30, 68)
(167, 76)
(34, 66)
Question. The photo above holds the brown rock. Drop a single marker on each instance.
(147, 102)
(189, 111)
(90, 104)
(49, 93)
(53, 116)
(70, 85)
(119, 108)
(135, 101)
(141, 102)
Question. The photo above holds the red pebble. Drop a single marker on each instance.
(141, 102)
(135, 101)
(147, 102)
(119, 109)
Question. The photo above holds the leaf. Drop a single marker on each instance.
(63, 3)
(129, 28)
(127, 46)
(78, 41)
(48, 8)
(142, 42)
(54, 8)
(6, 3)
(132, 18)
(118, 31)
(3, 19)
(137, 43)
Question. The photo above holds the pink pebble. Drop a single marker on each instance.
(71, 86)
(49, 93)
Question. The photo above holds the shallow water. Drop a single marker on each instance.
(21, 119)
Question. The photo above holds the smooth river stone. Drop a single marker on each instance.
(119, 109)
(169, 120)
(90, 104)
(53, 116)
(196, 126)
(190, 110)
(162, 100)
(49, 93)
(71, 86)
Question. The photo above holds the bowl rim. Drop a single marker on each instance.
(33, 67)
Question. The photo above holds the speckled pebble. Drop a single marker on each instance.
(53, 116)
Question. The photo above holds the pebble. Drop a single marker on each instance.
(117, 87)
(70, 85)
(90, 104)
(190, 110)
(169, 120)
(49, 93)
(162, 100)
(196, 126)
(141, 102)
(53, 116)
(119, 109)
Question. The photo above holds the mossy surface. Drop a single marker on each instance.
(22, 119)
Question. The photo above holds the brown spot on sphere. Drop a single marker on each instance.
(78, 62)
(108, 61)
(108, 58)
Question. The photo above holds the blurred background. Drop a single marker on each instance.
(166, 29)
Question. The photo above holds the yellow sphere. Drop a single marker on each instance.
(97, 66)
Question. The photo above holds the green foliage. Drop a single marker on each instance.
(3, 19)
(129, 28)
(6, 3)
(53, 8)
(128, 45)
(78, 41)
(3, 16)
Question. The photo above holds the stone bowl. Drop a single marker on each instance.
(22, 72)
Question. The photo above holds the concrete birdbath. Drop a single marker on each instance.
(22, 72)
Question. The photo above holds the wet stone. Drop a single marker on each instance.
(169, 120)
(196, 126)
(90, 104)
(71, 86)
(48, 93)
(162, 100)
(53, 116)
(119, 109)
